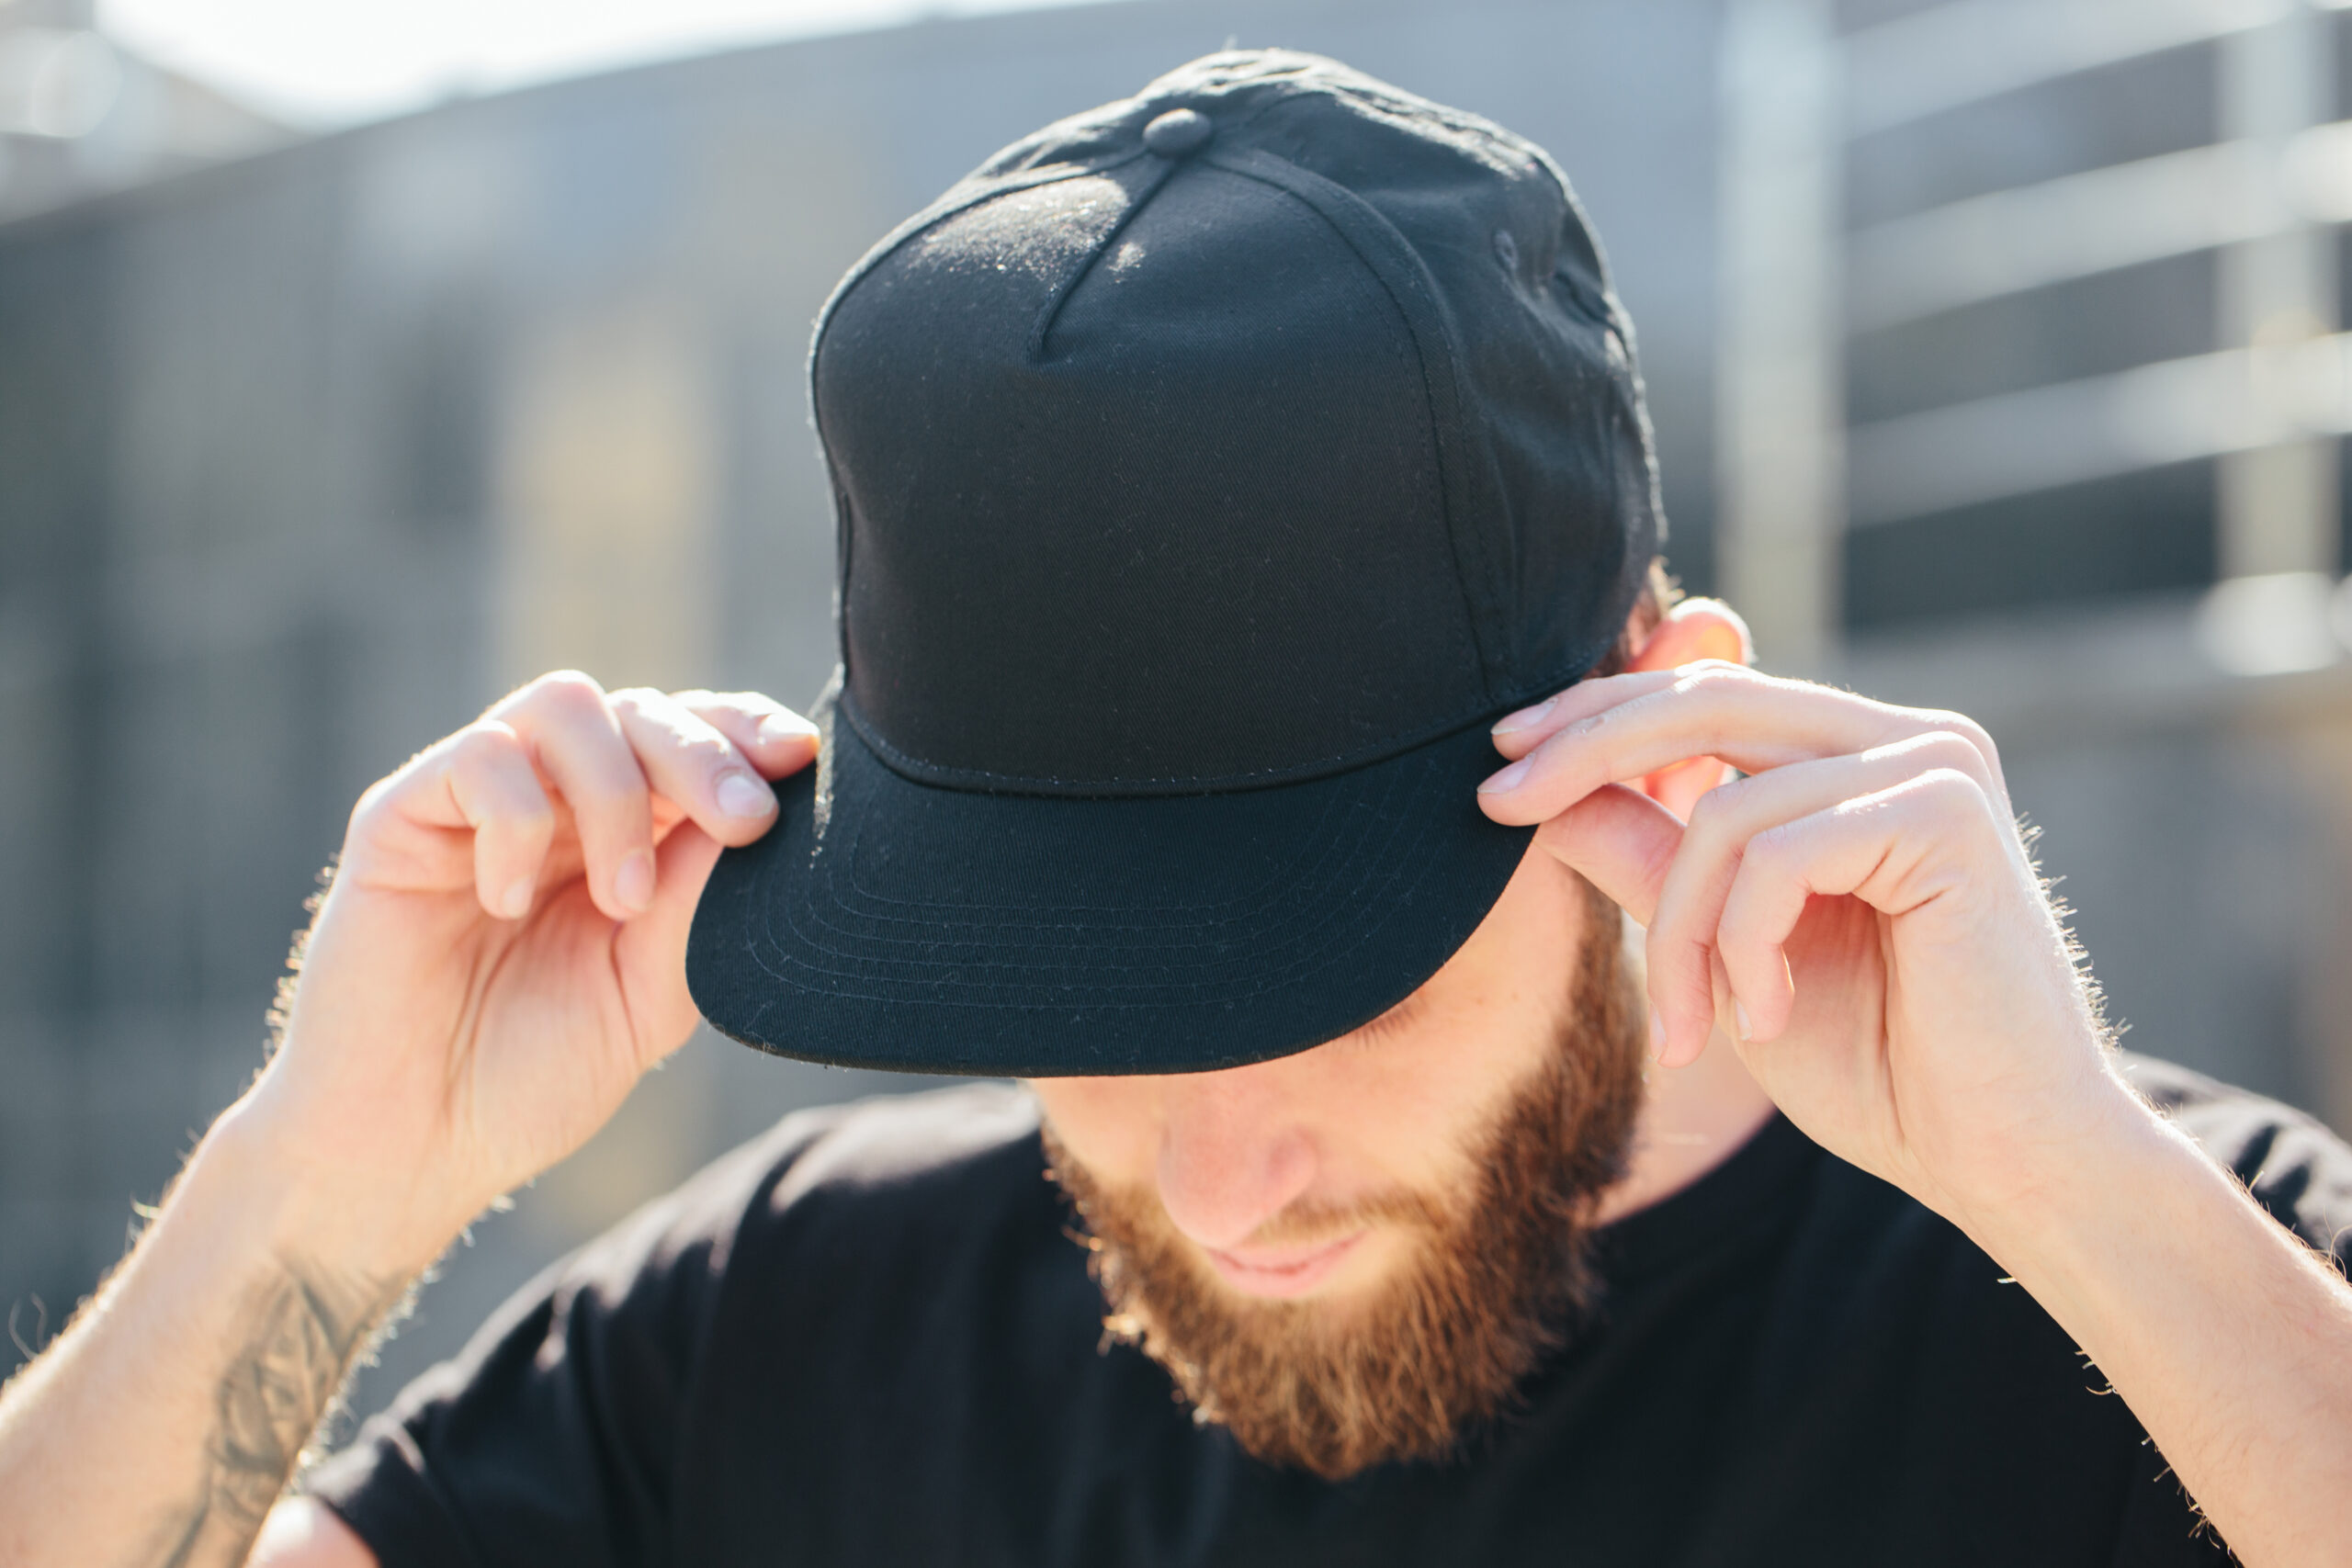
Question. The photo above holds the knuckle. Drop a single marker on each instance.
(1554, 753)
(534, 817)
(1947, 750)
(503, 787)
(371, 805)
(708, 748)
(1656, 862)
(1953, 793)
(519, 816)
(1977, 736)
(1717, 812)
(484, 743)
(1772, 852)
(1973, 734)
(1710, 675)
(564, 690)
(636, 699)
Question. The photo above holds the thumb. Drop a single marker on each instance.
(1620, 840)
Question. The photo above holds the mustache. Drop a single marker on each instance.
(1304, 1222)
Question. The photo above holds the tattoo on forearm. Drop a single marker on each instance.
(307, 1328)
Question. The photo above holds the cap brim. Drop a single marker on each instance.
(890, 924)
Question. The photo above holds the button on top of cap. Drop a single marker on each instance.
(1177, 132)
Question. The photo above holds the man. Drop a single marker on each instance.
(1225, 477)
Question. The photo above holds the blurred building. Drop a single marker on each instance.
(1986, 338)
(81, 116)
(2052, 435)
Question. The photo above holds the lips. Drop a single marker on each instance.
(1282, 1272)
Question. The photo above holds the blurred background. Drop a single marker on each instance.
(358, 362)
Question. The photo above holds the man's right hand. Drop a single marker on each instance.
(500, 954)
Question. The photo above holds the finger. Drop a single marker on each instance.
(1620, 842)
(1895, 849)
(1754, 722)
(492, 788)
(693, 766)
(1682, 936)
(411, 832)
(777, 740)
(653, 948)
(1519, 733)
(577, 742)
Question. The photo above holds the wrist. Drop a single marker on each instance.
(2069, 1198)
(298, 1204)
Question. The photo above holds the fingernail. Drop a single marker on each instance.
(1740, 1016)
(1508, 779)
(1658, 1036)
(741, 794)
(1524, 718)
(516, 902)
(781, 727)
(633, 885)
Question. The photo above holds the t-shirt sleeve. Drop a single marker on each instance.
(550, 1438)
(2296, 1168)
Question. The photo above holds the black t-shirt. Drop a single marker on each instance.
(868, 1338)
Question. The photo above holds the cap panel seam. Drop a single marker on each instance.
(947, 207)
(1367, 231)
(1153, 185)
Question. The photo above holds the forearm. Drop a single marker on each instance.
(164, 1423)
(2230, 1341)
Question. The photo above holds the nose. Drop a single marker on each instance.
(1232, 1155)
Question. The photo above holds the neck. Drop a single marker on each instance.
(1692, 1120)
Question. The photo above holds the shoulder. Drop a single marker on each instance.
(889, 1201)
(870, 1163)
(894, 1141)
(739, 1328)
(2293, 1164)
(841, 1187)
(872, 1196)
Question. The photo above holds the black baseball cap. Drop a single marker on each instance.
(1211, 470)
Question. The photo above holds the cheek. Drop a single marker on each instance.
(1420, 1121)
(1394, 1111)
(1110, 1125)
(1413, 1108)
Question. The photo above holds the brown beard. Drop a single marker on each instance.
(1494, 1284)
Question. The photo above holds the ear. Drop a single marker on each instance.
(1692, 630)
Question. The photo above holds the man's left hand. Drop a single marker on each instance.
(1858, 912)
